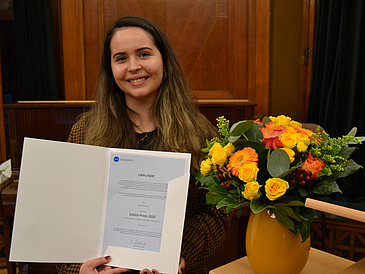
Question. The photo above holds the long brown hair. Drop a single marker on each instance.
(180, 125)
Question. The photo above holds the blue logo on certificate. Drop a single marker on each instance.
(116, 159)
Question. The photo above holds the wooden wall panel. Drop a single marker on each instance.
(73, 49)
(3, 153)
(223, 45)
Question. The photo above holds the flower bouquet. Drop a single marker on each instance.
(275, 164)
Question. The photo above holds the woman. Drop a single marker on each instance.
(144, 102)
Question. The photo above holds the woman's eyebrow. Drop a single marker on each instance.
(139, 49)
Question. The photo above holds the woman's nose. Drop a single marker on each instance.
(134, 65)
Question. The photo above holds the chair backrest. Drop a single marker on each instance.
(51, 121)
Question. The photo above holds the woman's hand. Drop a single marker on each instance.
(154, 271)
(147, 271)
(181, 265)
(98, 266)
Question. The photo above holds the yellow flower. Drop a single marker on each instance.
(302, 137)
(248, 172)
(295, 123)
(290, 153)
(229, 148)
(219, 157)
(275, 188)
(283, 120)
(206, 167)
(273, 119)
(301, 147)
(240, 158)
(289, 140)
(215, 147)
(291, 130)
(251, 191)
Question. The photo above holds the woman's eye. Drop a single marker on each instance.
(144, 54)
(120, 59)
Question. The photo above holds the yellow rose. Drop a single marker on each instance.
(302, 137)
(219, 157)
(206, 167)
(291, 130)
(283, 120)
(289, 140)
(248, 172)
(290, 153)
(295, 123)
(275, 188)
(251, 191)
(229, 148)
(301, 147)
(273, 119)
(215, 147)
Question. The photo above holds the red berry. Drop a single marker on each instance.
(223, 183)
(293, 182)
(299, 170)
(303, 183)
(294, 174)
(228, 185)
(307, 179)
(301, 177)
(220, 176)
(308, 173)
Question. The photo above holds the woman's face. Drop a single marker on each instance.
(136, 64)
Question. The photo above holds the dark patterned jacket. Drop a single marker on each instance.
(204, 229)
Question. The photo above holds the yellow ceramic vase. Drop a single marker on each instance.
(272, 248)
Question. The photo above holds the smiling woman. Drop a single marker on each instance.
(144, 102)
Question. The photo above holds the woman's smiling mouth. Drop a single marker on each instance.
(136, 81)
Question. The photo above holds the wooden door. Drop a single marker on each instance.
(309, 12)
(223, 44)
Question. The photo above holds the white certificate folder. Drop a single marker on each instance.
(78, 202)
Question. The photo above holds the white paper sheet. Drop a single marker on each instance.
(62, 203)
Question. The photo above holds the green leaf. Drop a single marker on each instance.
(213, 199)
(229, 203)
(266, 120)
(288, 211)
(240, 128)
(346, 152)
(326, 187)
(208, 181)
(352, 132)
(350, 168)
(218, 189)
(257, 206)
(295, 203)
(302, 191)
(254, 133)
(304, 229)
(283, 218)
(239, 213)
(278, 162)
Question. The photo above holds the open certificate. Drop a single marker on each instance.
(78, 202)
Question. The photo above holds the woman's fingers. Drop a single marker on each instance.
(98, 265)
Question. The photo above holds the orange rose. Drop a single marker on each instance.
(313, 165)
(272, 133)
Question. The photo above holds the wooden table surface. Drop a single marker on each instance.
(318, 262)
